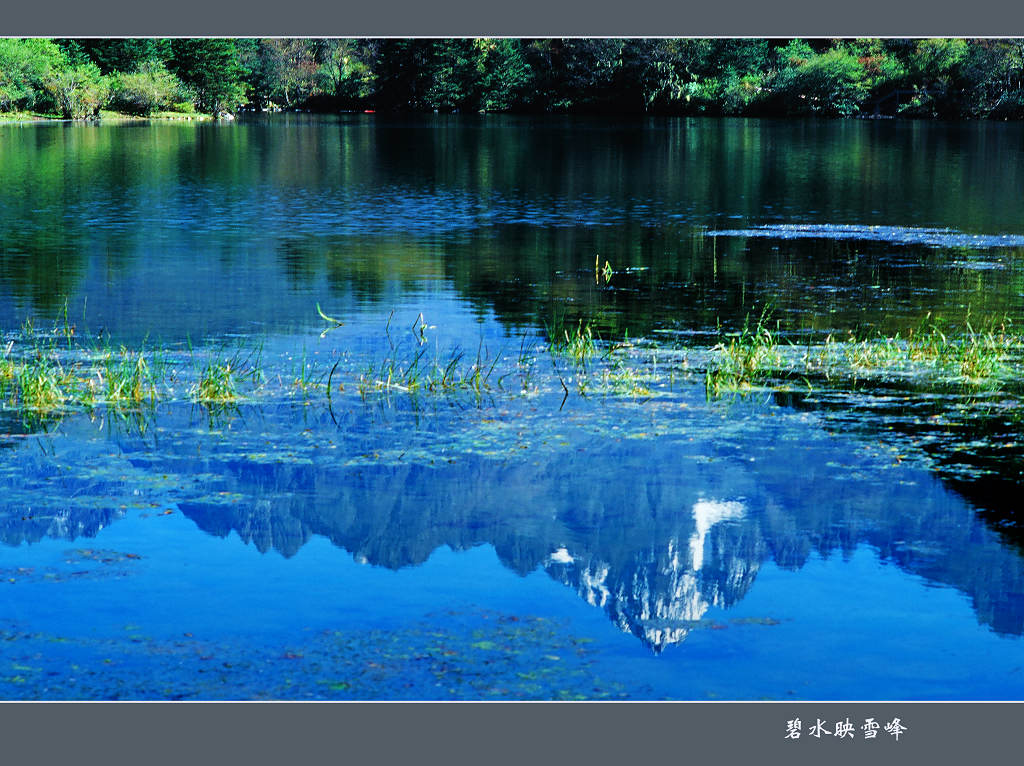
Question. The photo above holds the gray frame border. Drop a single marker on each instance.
(503, 732)
(522, 18)
(499, 733)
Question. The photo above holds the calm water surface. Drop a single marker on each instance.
(531, 541)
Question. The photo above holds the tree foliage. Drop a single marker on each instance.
(24, 67)
(117, 55)
(149, 89)
(77, 90)
(212, 69)
(280, 71)
(831, 83)
(941, 77)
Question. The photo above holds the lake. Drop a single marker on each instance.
(512, 408)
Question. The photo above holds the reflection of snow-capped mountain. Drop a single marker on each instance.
(663, 594)
(707, 513)
(686, 528)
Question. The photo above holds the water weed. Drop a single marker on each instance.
(413, 372)
(38, 375)
(216, 385)
(129, 380)
(968, 356)
(932, 354)
(746, 360)
(41, 384)
(578, 343)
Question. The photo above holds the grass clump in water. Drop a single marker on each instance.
(620, 379)
(129, 379)
(40, 384)
(43, 383)
(217, 384)
(219, 381)
(747, 360)
(974, 357)
(578, 343)
(410, 371)
(932, 352)
(447, 375)
(35, 380)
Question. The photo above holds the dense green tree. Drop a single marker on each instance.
(993, 75)
(883, 68)
(152, 88)
(77, 91)
(456, 69)
(401, 73)
(572, 74)
(743, 56)
(506, 76)
(827, 77)
(117, 55)
(651, 75)
(831, 83)
(344, 70)
(280, 71)
(936, 68)
(24, 67)
(212, 68)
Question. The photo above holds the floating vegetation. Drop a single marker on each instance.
(41, 381)
(38, 384)
(78, 564)
(596, 366)
(745, 360)
(621, 379)
(222, 375)
(969, 354)
(129, 379)
(415, 367)
(474, 655)
(933, 355)
(577, 343)
(937, 353)
(217, 385)
(413, 373)
(897, 235)
(40, 377)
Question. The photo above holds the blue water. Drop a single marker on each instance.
(527, 541)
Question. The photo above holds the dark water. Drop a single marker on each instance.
(532, 541)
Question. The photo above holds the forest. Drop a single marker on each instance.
(920, 78)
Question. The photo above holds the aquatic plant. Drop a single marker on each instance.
(932, 354)
(621, 379)
(577, 343)
(412, 374)
(305, 378)
(335, 323)
(746, 360)
(974, 357)
(128, 379)
(39, 376)
(220, 377)
(41, 384)
(216, 385)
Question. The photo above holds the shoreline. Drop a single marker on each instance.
(32, 118)
(28, 118)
